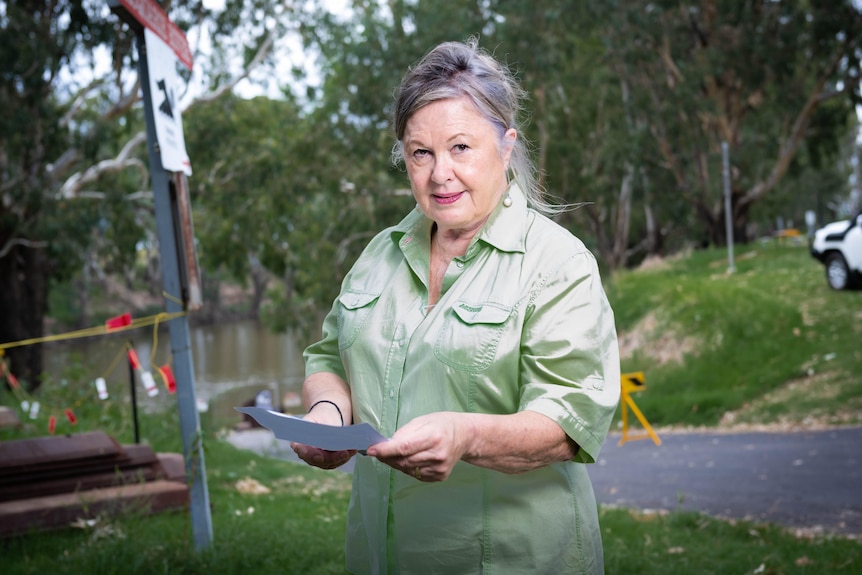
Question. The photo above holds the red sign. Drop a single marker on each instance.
(150, 14)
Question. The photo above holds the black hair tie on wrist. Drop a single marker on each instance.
(332, 403)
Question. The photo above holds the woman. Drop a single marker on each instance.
(477, 336)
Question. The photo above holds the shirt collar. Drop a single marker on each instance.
(504, 229)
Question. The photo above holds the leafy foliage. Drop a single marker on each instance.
(629, 103)
(777, 81)
(72, 168)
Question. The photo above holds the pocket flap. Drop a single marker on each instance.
(356, 300)
(487, 313)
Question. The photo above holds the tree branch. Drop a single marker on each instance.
(797, 134)
(125, 103)
(261, 54)
(95, 195)
(20, 242)
(73, 185)
(79, 100)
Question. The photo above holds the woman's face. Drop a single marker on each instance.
(456, 163)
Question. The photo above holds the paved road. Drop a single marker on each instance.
(810, 480)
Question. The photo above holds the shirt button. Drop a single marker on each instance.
(459, 264)
(391, 394)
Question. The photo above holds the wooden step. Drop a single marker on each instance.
(61, 510)
(45, 454)
(50, 482)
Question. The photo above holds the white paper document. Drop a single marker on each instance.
(330, 437)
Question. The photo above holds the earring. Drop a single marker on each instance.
(507, 199)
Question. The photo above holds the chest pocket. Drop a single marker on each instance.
(470, 335)
(352, 314)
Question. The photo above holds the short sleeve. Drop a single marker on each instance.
(569, 363)
(323, 356)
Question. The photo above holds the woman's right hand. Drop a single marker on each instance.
(324, 392)
(321, 457)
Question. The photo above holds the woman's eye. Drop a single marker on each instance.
(420, 153)
(461, 147)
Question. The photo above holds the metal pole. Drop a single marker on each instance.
(179, 329)
(728, 207)
(134, 393)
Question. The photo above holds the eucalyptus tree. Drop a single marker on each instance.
(274, 198)
(584, 137)
(73, 171)
(777, 80)
(574, 113)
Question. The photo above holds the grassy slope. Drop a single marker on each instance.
(770, 343)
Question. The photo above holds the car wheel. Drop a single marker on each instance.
(837, 272)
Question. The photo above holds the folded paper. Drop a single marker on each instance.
(330, 437)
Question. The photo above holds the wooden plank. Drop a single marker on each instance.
(79, 483)
(139, 463)
(53, 451)
(128, 458)
(174, 466)
(59, 511)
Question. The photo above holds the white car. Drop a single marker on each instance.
(839, 247)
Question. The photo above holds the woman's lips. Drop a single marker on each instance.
(446, 200)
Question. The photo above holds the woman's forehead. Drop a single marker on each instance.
(451, 114)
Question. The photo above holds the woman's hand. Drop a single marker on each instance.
(427, 448)
(321, 457)
(329, 399)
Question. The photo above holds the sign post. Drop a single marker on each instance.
(728, 205)
(160, 44)
(632, 383)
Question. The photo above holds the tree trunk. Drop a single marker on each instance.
(717, 225)
(260, 281)
(23, 302)
(623, 218)
(652, 236)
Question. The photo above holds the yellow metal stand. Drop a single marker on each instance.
(632, 383)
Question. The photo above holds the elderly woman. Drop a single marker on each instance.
(477, 336)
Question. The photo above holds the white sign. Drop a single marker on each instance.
(165, 85)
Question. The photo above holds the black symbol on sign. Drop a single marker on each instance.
(167, 106)
(635, 380)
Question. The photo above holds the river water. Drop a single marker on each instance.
(232, 363)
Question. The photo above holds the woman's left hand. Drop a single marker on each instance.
(427, 448)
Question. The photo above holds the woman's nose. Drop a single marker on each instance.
(442, 171)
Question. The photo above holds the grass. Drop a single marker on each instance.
(296, 527)
(768, 344)
(685, 543)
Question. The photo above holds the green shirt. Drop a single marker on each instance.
(522, 323)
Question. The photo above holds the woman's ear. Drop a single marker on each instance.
(508, 145)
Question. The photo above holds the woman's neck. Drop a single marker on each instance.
(445, 246)
(451, 243)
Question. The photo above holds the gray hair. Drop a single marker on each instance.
(455, 70)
